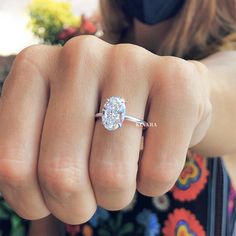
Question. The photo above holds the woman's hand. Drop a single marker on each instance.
(56, 158)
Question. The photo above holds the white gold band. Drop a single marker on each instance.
(138, 121)
(114, 113)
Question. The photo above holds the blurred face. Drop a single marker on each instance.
(151, 11)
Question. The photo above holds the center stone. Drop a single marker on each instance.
(113, 113)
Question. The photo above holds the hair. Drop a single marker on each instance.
(200, 28)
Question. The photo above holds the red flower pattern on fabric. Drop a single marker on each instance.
(192, 179)
(232, 198)
(73, 230)
(182, 223)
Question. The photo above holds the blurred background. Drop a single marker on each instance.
(27, 22)
(15, 16)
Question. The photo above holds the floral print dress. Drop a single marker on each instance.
(202, 202)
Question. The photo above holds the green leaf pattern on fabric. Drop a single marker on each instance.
(17, 224)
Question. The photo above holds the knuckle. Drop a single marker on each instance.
(121, 203)
(14, 173)
(89, 40)
(85, 214)
(60, 183)
(178, 78)
(128, 61)
(84, 47)
(163, 177)
(84, 52)
(30, 55)
(111, 179)
(178, 73)
(31, 60)
(204, 111)
(209, 108)
(11, 175)
(129, 56)
(174, 62)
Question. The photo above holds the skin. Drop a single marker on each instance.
(222, 70)
(55, 158)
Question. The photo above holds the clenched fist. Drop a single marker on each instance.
(55, 157)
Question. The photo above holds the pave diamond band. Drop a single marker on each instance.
(114, 113)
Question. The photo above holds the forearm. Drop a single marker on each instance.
(220, 138)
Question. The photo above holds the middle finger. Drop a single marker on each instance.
(68, 130)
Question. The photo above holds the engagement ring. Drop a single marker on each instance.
(114, 113)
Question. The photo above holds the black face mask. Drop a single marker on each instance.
(151, 11)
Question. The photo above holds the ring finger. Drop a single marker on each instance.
(114, 154)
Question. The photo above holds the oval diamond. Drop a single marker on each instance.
(113, 113)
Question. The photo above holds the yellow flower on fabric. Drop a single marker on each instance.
(87, 230)
(49, 17)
